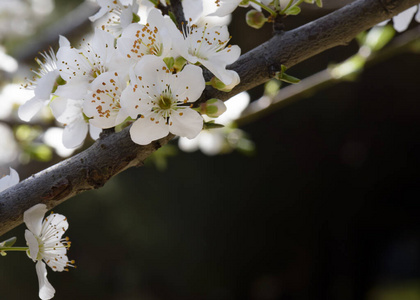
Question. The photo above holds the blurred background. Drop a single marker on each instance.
(324, 204)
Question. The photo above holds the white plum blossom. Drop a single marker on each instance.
(153, 38)
(46, 245)
(402, 20)
(69, 112)
(207, 45)
(9, 180)
(43, 85)
(162, 99)
(120, 14)
(226, 7)
(102, 103)
(80, 67)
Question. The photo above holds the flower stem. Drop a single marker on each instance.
(14, 249)
(272, 12)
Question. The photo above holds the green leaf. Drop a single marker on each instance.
(9, 242)
(212, 125)
(289, 79)
(136, 18)
(169, 61)
(285, 77)
(294, 10)
(318, 3)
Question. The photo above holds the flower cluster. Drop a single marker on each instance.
(147, 72)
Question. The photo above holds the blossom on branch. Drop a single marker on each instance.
(46, 245)
(207, 46)
(162, 99)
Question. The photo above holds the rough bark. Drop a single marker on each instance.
(115, 152)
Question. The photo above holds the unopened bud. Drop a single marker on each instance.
(213, 108)
(255, 19)
(217, 83)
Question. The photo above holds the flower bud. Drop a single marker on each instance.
(255, 19)
(216, 83)
(213, 107)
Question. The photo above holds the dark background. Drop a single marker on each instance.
(327, 208)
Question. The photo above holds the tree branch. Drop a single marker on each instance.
(115, 152)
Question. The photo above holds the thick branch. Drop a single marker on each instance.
(292, 47)
(116, 152)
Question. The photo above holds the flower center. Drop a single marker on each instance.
(165, 102)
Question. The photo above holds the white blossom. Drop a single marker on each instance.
(225, 7)
(80, 67)
(207, 45)
(153, 38)
(46, 245)
(119, 12)
(43, 85)
(9, 180)
(102, 103)
(162, 99)
(69, 112)
(403, 19)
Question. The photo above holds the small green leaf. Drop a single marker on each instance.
(136, 18)
(294, 10)
(289, 79)
(212, 125)
(9, 242)
(169, 61)
(318, 3)
(3, 253)
(285, 77)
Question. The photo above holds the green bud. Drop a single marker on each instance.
(244, 3)
(255, 19)
(213, 108)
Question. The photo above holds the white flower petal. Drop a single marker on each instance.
(186, 122)
(75, 133)
(145, 130)
(402, 20)
(94, 132)
(33, 244)
(189, 84)
(46, 290)
(188, 145)
(30, 108)
(226, 7)
(9, 180)
(33, 218)
(211, 141)
(417, 17)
